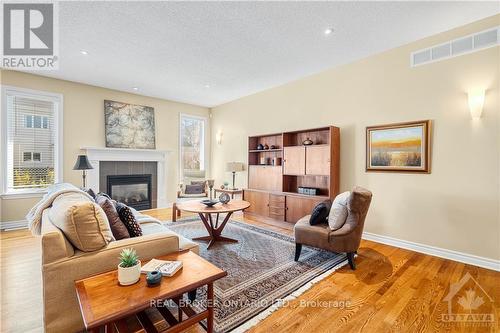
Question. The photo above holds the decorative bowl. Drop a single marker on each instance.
(209, 202)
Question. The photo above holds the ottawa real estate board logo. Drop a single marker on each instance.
(30, 36)
(469, 304)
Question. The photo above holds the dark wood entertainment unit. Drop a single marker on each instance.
(273, 189)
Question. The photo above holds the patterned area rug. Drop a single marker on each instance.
(261, 269)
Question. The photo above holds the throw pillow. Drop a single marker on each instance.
(338, 212)
(118, 228)
(194, 189)
(83, 222)
(320, 213)
(128, 218)
(91, 193)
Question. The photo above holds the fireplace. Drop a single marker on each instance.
(132, 190)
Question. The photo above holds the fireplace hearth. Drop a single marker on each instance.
(132, 190)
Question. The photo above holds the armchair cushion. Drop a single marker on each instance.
(313, 235)
(194, 189)
(338, 212)
(319, 213)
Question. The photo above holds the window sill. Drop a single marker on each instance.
(23, 194)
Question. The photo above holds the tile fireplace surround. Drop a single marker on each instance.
(97, 155)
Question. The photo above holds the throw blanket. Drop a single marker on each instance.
(34, 216)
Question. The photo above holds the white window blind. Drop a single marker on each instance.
(31, 141)
(192, 142)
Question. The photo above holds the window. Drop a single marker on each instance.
(24, 113)
(192, 147)
(32, 121)
(27, 156)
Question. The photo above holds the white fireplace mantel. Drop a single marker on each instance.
(96, 155)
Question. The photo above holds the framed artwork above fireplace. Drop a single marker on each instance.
(129, 125)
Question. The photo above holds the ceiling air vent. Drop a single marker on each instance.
(456, 47)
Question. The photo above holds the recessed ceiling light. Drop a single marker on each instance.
(84, 52)
(135, 88)
(328, 31)
(207, 86)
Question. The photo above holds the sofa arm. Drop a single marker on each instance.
(61, 307)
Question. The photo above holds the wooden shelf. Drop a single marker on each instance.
(264, 150)
(274, 194)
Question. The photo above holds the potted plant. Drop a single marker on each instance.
(129, 269)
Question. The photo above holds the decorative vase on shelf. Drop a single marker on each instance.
(307, 142)
(273, 147)
(266, 147)
(260, 146)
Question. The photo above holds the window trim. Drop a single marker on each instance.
(206, 136)
(58, 140)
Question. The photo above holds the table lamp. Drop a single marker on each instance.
(234, 167)
(82, 163)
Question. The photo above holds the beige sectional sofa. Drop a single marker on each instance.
(62, 264)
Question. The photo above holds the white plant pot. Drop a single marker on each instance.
(129, 275)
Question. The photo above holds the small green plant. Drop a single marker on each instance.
(128, 258)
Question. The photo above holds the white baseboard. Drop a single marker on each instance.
(12, 225)
(435, 251)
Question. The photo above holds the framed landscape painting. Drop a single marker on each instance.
(403, 147)
(129, 125)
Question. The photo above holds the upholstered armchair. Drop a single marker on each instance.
(346, 239)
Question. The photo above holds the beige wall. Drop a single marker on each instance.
(455, 207)
(84, 126)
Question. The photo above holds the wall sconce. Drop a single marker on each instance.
(476, 102)
(218, 137)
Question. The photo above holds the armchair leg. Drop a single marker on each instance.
(350, 259)
(298, 249)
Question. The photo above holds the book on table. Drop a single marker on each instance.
(165, 267)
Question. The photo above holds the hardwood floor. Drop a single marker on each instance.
(392, 290)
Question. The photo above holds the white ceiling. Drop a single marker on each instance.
(172, 50)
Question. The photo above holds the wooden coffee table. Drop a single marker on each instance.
(106, 304)
(206, 213)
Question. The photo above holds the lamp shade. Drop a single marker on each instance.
(82, 163)
(234, 166)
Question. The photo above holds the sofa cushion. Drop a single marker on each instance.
(184, 243)
(82, 221)
(91, 193)
(118, 228)
(338, 212)
(320, 212)
(127, 216)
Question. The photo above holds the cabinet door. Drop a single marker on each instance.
(318, 160)
(259, 202)
(294, 160)
(298, 207)
(277, 207)
(265, 177)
